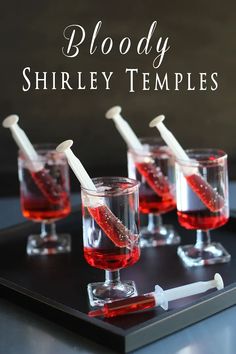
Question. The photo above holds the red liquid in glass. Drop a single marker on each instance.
(125, 306)
(154, 177)
(155, 193)
(201, 220)
(42, 209)
(112, 226)
(112, 259)
(149, 202)
(205, 192)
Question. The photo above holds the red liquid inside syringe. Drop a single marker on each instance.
(210, 197)
(112, 226)
(125, 306)
(38, 203)
(49, 187)
(154, 177)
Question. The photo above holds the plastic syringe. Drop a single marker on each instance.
(145, 164)
(205, 192)
(42, 178)
(111, 225)
(158, 297)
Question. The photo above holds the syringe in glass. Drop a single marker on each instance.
(159, 297)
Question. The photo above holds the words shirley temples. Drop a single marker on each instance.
(77, 42)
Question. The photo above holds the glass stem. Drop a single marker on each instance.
(154, 222)
(112, 277)
(203, 239)
(48, 230)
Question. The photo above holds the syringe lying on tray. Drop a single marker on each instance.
(158, 297)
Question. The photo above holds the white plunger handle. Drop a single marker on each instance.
(80, 172)
(124, 128)
(194, 288)
(76, 166)
(23, 142)
(169, 138)
(173, 144)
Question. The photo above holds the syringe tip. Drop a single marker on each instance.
(219, 281)
(95, 313)
(156, 121)
(112, 112)
(10, 121)
(64, 145)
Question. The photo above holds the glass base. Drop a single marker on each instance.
(209, 254)
(47, 245)
(163, 235)
(101, 293)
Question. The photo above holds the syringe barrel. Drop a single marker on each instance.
(129, 305)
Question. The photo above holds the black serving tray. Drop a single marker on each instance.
(56, 286)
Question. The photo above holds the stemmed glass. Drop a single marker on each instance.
(154, 167)
(120, 195)
(204, 206)
(45, 198)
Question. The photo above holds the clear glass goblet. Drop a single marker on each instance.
(154, 167)
(203, 204)
(45, 198)
(111, 235)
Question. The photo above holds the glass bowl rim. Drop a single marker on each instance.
(134, 186)
(42, 149)
(222, 156)
(158, 142)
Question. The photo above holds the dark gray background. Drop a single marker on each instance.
(202, 38)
